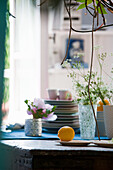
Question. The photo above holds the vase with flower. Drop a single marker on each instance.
(98, 91)
(39, 110)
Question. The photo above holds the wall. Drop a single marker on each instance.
(87, 20)
(102, 39)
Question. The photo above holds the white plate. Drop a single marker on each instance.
(59, 125)
(55, 130)
(66, 111)
(61, 102)
(75, 143)
(63, 116)
(104, 143)
(65, 122)
(66, 106)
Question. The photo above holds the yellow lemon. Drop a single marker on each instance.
(100, 107)
(66, 133)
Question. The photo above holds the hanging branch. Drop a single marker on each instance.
(91, 64)
(95, 13)
(71, 28)
(102, 13)
(88, 9)
(94, 30)
(68, 11)
(109, 6)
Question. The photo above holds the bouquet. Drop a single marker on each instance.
(39, 109)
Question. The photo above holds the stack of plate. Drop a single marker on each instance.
(100, 121)
(67, 115)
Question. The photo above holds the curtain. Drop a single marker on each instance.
(25, 58)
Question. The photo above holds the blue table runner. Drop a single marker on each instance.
(20, 135)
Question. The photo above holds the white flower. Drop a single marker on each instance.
(39, 102)
(50, 117)
(66, 64)
(48, 107)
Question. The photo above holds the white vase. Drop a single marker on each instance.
(87, 121)
(108, 120)
(33, 127)
(101, 125)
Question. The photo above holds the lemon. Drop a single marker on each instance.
(100, 107)
(66, 133)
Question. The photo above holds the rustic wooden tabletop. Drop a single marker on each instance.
(50, 154)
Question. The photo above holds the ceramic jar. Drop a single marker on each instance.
(33, 127)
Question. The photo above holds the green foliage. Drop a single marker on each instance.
(7, 57)
(7, 40)
(82, 5)
(6, 90)
(89, 2)
(98, 89)
(103, 9)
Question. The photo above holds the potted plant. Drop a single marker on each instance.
(39, 110)
(98, 91)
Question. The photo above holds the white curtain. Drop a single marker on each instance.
(25, 58)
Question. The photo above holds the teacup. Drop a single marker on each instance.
(52, 94)
(65, 95)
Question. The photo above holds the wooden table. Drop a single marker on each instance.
(49, 154)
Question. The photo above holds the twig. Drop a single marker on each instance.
(10, 14)
(42, 3)
(102, 13)
(109, 6)
(69, 30)
(97, 16)
(99, 27)
(90, 80)
(95, 13)
(88, 9)
(94, 30)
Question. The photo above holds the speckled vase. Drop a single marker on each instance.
(87, 121)
(33, 127)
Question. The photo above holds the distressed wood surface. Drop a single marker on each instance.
(49, 154)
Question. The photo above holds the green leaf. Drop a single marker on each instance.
(82, 1)
(53, 109)
(26, 101)
(103, 9)
(89, 2)
(81, 6)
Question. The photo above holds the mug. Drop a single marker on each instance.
(52, 93)
(65, 95)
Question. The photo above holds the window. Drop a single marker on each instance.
(29, 58)
(25, 57)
